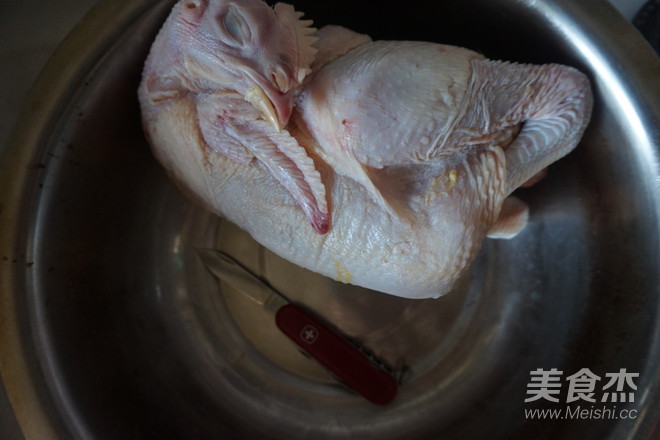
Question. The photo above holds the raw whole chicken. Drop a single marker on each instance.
(379, 163)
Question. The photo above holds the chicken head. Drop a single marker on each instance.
(241, 61)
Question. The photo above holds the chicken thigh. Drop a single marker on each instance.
(379, 163)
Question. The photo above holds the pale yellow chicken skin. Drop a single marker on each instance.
(384, 164)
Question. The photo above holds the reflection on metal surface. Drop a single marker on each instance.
(120, 331)
(612, 81)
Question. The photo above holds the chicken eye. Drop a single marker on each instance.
(236, 26)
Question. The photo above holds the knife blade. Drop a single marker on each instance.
(316, 338)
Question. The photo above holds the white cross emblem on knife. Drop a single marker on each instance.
(309, 334)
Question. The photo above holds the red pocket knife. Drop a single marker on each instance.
(332, 350)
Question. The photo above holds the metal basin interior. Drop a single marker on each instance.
(113, 329)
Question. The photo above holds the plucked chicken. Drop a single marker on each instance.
(379, 163)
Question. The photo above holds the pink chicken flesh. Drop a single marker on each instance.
(383, 164)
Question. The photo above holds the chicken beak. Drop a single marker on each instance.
(276, 110)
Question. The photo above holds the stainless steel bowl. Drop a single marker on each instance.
(110, 328)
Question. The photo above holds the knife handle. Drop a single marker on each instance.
(336, 354)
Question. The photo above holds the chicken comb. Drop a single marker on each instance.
(302, 38)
